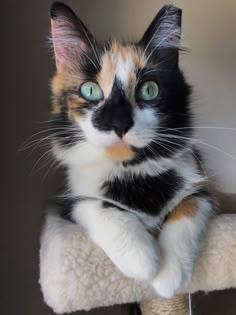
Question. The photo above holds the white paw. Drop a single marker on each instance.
(170, 280)
(139, 263)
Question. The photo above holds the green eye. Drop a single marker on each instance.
(148, 91)
(91, 91)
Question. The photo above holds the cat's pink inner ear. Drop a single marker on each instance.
(67, 44)
(59, 47)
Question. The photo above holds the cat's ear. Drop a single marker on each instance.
(164, 33)
(69, 35)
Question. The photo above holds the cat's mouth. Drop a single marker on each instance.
(120, 151)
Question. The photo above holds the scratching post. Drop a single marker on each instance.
(77, 275)
(178, 305)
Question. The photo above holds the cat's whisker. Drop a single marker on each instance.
(163, 137)
(217, 149)
(91, 45)
(37, 145)
(190, 149)
(55, 164)
(166, 147)
(47, 121)
(200, 142)
(38, 133)
(49, 160)
(92, 62)
(199, 127)
(31, 143)
(49, 152)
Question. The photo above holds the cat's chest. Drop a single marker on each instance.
(88, 180)
(144, 193)
(136, 190)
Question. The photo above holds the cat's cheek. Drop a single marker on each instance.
(95, 136)
(146, 122)
(138, 138)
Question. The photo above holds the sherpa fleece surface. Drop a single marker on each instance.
(77, 275)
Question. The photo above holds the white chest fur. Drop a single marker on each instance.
(87, 181)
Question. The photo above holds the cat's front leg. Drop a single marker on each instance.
(179, 241)
(122, 236)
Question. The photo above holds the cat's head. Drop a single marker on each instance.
(126, 102)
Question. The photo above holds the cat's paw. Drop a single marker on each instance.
(170, 280)
(139, 263)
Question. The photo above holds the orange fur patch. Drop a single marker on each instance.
(57, 83)
(126, 52)
(120, 152)
(56, 108)
(106, 76)
(187, 208)
(118, 49)
(75, 102)
(69, 79)
(66, 81)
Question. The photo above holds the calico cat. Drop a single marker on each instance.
(123, 129)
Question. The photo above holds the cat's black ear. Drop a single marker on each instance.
(164, 33)
(70, 36)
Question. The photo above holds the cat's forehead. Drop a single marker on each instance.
(120, 62)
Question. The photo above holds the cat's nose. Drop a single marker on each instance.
(122, 127)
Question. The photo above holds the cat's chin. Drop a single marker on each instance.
(120, 151)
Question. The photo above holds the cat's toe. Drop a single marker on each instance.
(170, 281)
(140, 265)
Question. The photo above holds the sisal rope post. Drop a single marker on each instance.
(178, 305)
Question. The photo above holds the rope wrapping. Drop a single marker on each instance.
(178, 305)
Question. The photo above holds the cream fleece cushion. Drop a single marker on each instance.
(77, 275)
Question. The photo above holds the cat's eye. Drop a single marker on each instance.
(148, 91)
(91, 91)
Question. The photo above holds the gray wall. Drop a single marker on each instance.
(209, 31)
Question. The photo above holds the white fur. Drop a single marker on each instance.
(79, 155)
(122, 236)
(145, 124)
(140, 135)
(96, 137)
(179, 242)
(149, 167)
(86, 179)
(123, 68)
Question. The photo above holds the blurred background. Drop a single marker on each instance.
(26, 68)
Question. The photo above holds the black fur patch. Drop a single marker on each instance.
(148, 194)
(64, 130)
(116, 114)
(172, 109)
(107, 204)
(90, 63)
(65, 206)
